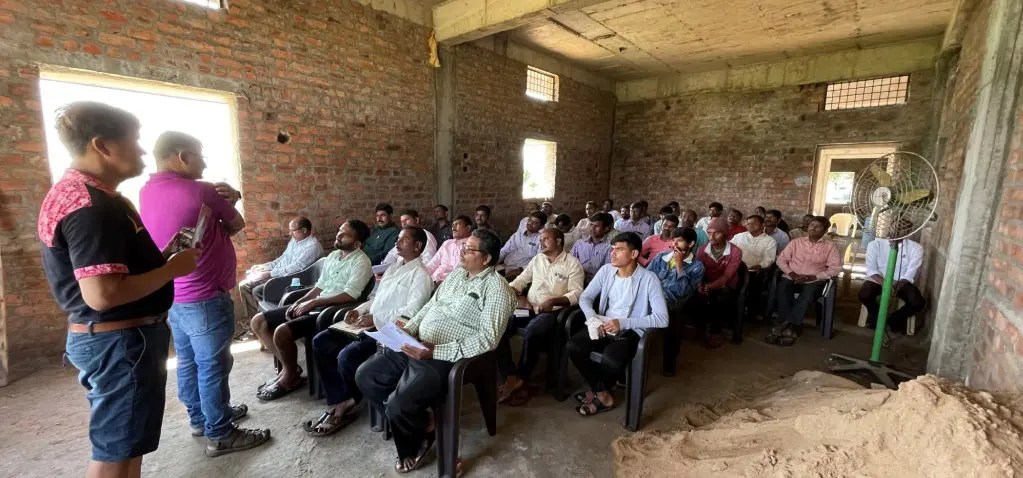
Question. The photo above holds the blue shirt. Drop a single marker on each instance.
(678, 286)
(592, 255)
(519, 250)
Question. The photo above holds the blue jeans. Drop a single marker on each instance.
(125, 372)
(202, 339)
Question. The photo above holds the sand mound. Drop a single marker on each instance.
(815, 424)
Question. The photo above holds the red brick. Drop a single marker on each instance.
(92, 49)
(6, 18)
(6, 102)
(116, 40)
(113, 16)
(30, 147)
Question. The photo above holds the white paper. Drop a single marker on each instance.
(201, 224)
(392, 337)
(521, 313)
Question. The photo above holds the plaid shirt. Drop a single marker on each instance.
(466, 317)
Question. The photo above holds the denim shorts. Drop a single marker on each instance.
(125, 373)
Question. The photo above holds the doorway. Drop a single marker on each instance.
(835, 173)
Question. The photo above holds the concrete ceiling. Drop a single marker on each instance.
(628, 39)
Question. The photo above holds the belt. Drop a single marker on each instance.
(100, 327)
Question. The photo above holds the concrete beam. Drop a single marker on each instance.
(410, 10)
(460, 21)
(445, 136)
(501, 45)
(844, 65)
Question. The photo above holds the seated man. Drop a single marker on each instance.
(808, 263)
(302, 251)
(449, 256)
(714, 210)
(689, 220)
(594, 251)
(382, 237)
(758, 253)
(555, 280)
(403, 290)
(530, 209)
(629, 299)
(735, 223)
(609, 208)
(482, 218)
(464, 319)
(716, 296)
(680, 274)
(409, 218)
(772, 227)
(801, 230)
(342, 280)
(441, 228)
(582, 229)
(563, 223)
(522, 246)
(665, 211)
(911, 256)
(659, 243)
(635, 222)
(547, 208)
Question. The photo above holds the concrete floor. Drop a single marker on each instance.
(43, 418)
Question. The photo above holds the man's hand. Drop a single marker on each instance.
(227, 192)
(366, 320)
(183, 263)
(418, 353)
(303, 308)
(877, 279)
(546, 306)
(351, 317)
(898, 285)
(178, 242)
(755, 268)
(612, 326)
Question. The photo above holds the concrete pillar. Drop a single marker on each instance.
(957, 319)
(445, 127)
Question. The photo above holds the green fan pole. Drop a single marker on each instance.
(886, 297)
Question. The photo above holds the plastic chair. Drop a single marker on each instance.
(824, 307)
(481, 372)
(275, 289)
(845, 224)
(635, 376)
(555, 347)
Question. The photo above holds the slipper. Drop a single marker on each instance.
(332, 424)
(520, 397)
(504, 394)
(273, 380)
(788, 337)
(410, 464)
(311, 425)
(598, 407)
(275, 391)
(582, 399)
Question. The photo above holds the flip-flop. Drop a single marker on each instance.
(417, 461)
(310, 425)
(331, 424)
(598, 408)
(275, 391)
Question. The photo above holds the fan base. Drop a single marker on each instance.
(880, 370)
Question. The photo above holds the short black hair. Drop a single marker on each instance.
(637, 205)
(79, 122)
(603, 218)
(609, 202)
(484, 208)
(410, 213)
(736, 210)
(674, 203)
(686, 233)
(173, 142)
(361, 230)
(418, 235)
(445, 208)
(716, 205)
(592, 203)
(758, 217)
(490, 244)
(465, 220)
(385, 208)
(672, 218)
(631, 238)
(666, 210)
(823, 220)
(539, 215)
(562, 219)
(774, 212)
(304, 223)
(643, 204)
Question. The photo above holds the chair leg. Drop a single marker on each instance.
(378, 422)
(561, 392)
(636, 388)
(829, 317)
(447, 427)
(310, 365)
(486, 390)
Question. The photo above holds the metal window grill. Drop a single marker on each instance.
(892, 90)
(541, 85)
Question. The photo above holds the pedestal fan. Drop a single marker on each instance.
(893, 198)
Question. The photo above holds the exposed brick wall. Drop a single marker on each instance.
(747, 149)
(351, 85)
(494, 117)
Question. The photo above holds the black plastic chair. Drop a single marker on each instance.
(635, 375)
(275, 290)
(824, 307)
(555, 347)
(481, 372)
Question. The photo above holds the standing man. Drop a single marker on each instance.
(594, 251)
(302, 251)
(441, 228)
(383, 236)
(202, 317)
(714, 210)
(449, 256)
(114, 283)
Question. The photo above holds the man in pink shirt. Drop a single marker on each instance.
(202, 316)
(808, 263)
(659, 243)
(449, 255)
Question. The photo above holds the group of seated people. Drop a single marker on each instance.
(456, 285)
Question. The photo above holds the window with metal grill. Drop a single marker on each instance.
(892, 90)
(541, 85)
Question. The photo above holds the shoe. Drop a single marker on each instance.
(239, 439)
(237, 413)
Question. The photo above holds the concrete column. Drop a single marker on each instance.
(444, 143)
(957, 319)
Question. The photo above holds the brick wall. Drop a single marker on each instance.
(349, 83)
(747, 149)
(494, 117)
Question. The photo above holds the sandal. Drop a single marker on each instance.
(504, 393)
(776, 333)
(277, 390)
(595, 407)
(273, 380)
(582, 398)
(520, 397)
(788, 337)
(410, 464)
(330, 423)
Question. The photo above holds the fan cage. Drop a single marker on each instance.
(908, 172)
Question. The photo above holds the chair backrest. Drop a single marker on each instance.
(845, 224)
(743, 275)
(366, 291)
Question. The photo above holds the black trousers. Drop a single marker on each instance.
(533, 342)
(403, 389)
(673, 339)
(756, 291)
(713, 309)
(794, 311)
(617, 354)
(338, 356)
(870, 295)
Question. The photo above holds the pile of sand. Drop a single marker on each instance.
(815, 424)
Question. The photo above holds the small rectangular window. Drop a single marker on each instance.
(892, 90)
(208, 3)
(539, 163)
(541, 85)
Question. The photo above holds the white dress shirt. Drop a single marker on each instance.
(297, 256)
(403, 290)
(703, 223)
(756, 250)
(392, 255)
(911, 256)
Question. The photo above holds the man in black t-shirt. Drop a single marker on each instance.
(114, 283)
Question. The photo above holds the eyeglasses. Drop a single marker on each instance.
(469, 249)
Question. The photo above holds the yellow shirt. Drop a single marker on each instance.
(562, 278)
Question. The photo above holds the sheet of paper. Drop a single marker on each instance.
(392, 337)
(522, 313)
(201, 224)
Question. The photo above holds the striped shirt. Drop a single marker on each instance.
(519, 250)
(592, 255)
(642, 228)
